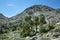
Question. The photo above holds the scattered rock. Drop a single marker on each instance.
(56, 35)
(27, 38)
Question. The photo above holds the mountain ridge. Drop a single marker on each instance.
(36, 10)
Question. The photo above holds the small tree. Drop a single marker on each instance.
(36, 22)
(31, 24)
(44, 28)
(27, 18)
(42, 19)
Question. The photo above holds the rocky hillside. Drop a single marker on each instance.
(39, 30)
(3, 19)
(51, 14)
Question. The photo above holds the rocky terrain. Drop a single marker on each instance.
(3, 19)
(51, 14)
(13, 32)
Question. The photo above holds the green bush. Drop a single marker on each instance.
(52, 30)
(22, 33)
(51, 25)
(3, 36)
(57, 28)
(44, 28)
(9, 39)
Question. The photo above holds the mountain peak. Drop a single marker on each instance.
(34, 10)
(39, 8)
(1, 14)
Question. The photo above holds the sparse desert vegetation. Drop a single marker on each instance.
(38, 25)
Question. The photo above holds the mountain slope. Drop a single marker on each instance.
(3, 19)
(50, 13)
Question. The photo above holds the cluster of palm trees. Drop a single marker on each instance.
(29, 26)
(29, 22)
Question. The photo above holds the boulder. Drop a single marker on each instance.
(27, 38)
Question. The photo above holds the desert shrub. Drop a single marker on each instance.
(32, 33)
(3, 29)
(47, 27)
(22, 33)
(3, 36)
(8, 39)
(52, 30)
(57, 28)
(44, 28)
(51, 25)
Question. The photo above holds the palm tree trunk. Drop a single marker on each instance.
(36, 28)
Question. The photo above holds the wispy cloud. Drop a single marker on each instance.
(11, 5)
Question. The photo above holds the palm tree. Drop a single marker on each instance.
(25, 25)
(27, 18)
(42, 19)
(31, 24)
(25, 22)
(36, 22)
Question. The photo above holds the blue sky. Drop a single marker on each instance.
(12, 7)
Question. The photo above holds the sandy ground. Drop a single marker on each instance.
(56, 39)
